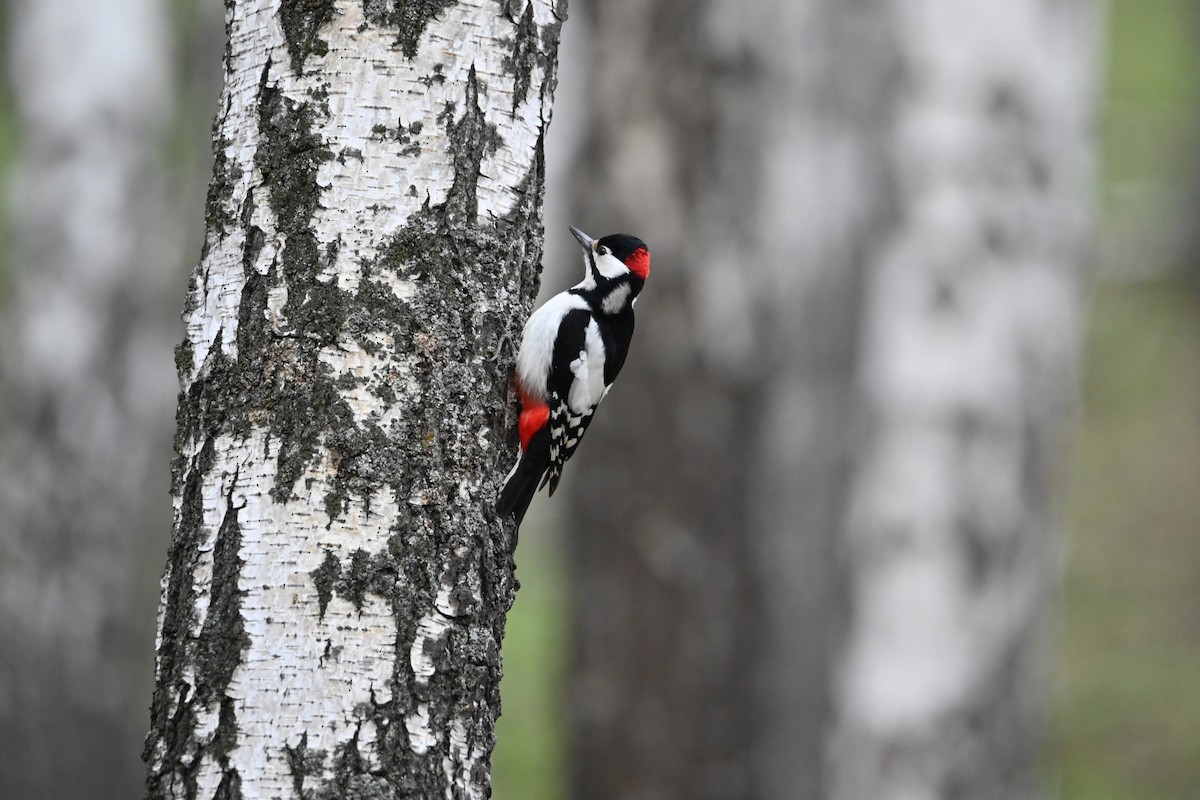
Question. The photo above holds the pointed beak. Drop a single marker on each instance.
(584, 240)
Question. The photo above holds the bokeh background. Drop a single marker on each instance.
(89, 321)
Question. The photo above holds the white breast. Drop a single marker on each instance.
(587, 387)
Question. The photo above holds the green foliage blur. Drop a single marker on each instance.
(1127, 711)
(1128, 699)
(530, 759)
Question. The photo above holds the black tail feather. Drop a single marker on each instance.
(522, 484)
(517, 494)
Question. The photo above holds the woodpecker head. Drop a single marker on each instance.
(615, 256)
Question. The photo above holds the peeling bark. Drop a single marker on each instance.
(336, 590)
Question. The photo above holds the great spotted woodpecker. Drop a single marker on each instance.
(571, 351)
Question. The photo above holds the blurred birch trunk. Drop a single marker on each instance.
(708, 503)
(336, 590)
(86, 392)
(965, 389)
(832, 451)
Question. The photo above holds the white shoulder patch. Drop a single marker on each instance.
(537, 341)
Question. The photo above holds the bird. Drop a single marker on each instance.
(571, 351)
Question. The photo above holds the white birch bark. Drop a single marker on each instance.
(966, 381)
(335, 596)
(86, 391)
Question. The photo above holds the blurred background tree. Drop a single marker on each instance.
(702, 530)
(814, 545)
(93, 269)
(1126, 708)
(1124, 714)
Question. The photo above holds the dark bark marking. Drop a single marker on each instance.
(408, 17)
(172, 721)
(302, 762)
(452, 262)
(352, 779)
(551, 34)
(526, 53)
(230, 787)
(218, 215)
(223, 636)
(289, 155)
(185, 354)
(405, 136)
(300, 20)
(324, 578)
(532, 47)
(357, 579)
(472, 139)
(438, 76)
(214, 654)
(222, 744)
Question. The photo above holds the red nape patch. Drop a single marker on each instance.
(533, 417)
(639, 263)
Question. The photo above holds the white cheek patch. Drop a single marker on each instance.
(610, 266)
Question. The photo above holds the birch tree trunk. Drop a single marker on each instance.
(335, 596)
(754, 167)
(832, 449)
(965, 390)
(85, 390)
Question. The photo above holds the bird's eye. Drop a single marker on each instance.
(602, 250)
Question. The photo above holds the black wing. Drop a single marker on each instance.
(576, 374)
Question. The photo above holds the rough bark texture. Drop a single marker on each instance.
(864, 236)
(85, 391)
(965, 387)
(335, 596)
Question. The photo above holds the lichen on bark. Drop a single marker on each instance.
(300, 20)
(211, 656)
(407, 17)
(525, 51)
(220, 190)
(410, 570)
(345, 391)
